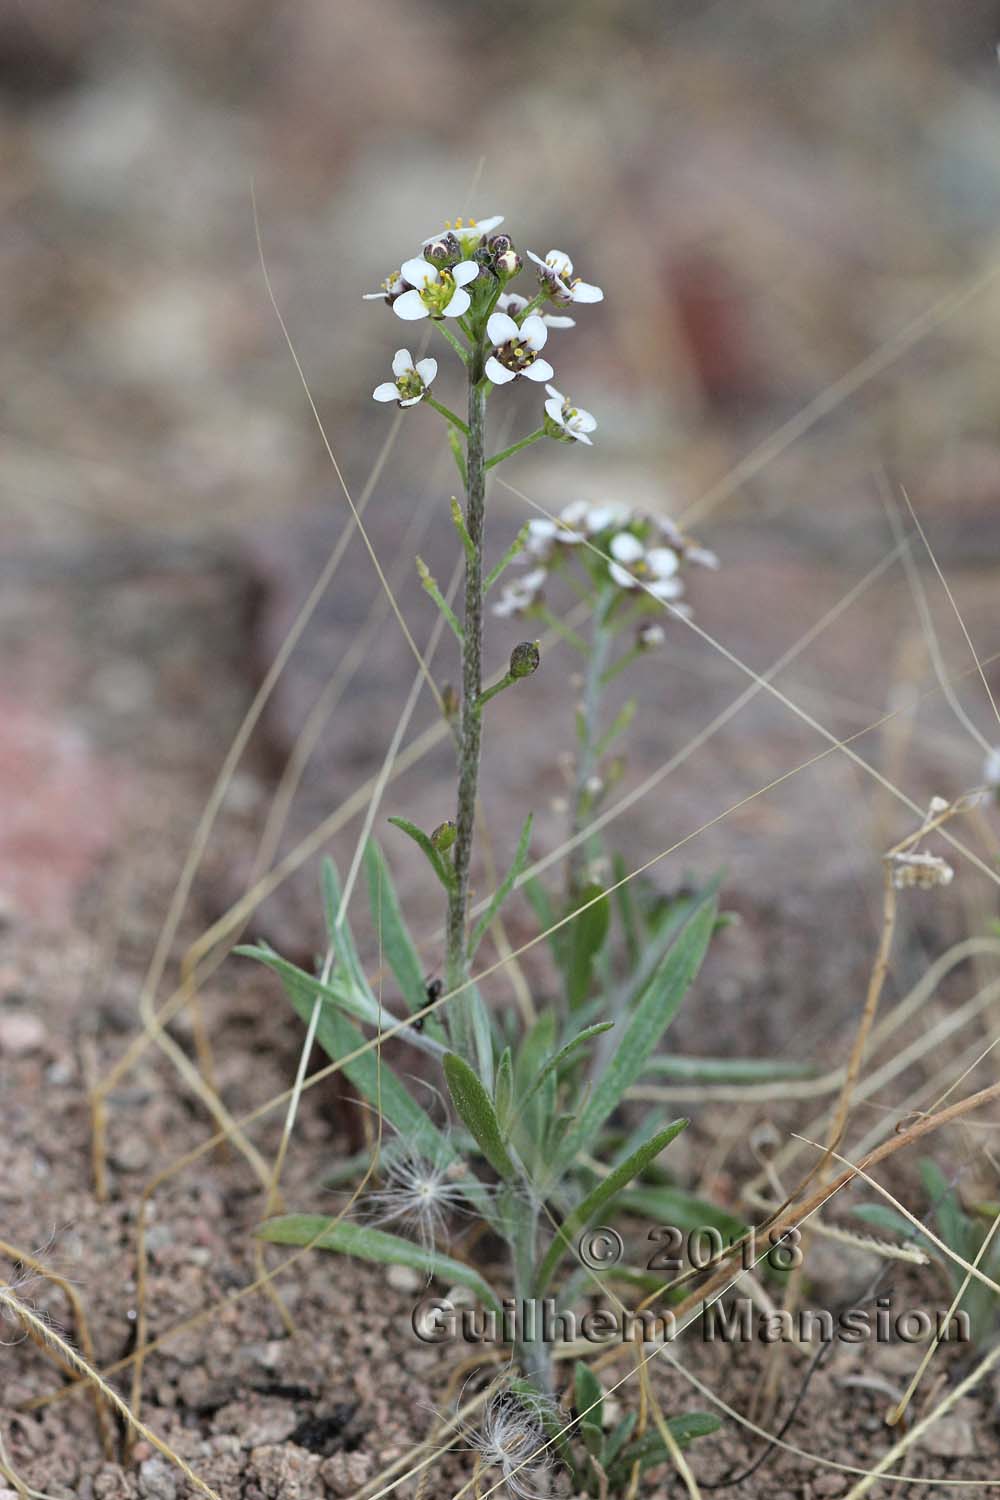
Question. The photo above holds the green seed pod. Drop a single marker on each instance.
(525, 659)
(444, 836)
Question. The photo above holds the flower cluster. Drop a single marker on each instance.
(462, 272)
(626, 551)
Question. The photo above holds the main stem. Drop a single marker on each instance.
(470, 729)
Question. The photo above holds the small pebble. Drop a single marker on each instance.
(403, 1278)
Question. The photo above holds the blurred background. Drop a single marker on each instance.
(771, 195)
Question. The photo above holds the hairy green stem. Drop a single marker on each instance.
(470, 727)
(532, 1352)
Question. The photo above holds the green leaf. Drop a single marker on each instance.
(503, 1089)
(606, 1189)
(682, 1210)
(552, 1063)
(394, 936)
(516, 547)
(422, 840)
(338, 930)
(652, 1015)
(374, 1245)
(475, 1108)
(503, 890)
(430, 586)
(589, 1400)
(650, 1451)
(584, 937)
(626, 909)
(880, 1216)
(339, 992)
(618, 1437)
(619, 725)
(458, 521)
(545, 916)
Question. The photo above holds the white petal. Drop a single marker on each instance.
(559, 261)
(532, 582)
(409, 307)
(542, 528)
(427, 369)
(553, 409)
(583, 292)
(666, 588)
(511, 302)
(537, 259)
(612, 514)
(495, 371)
(459, 304)
(626, 547)
(418, 272)
(465, 271)
(501, 328)
(575, 512)
(552, 321)
(663, 561)
(703, 557)
(583, 421)
(402, 362)
(582, 437)
(623, 578)
(487, 226)
(412, 400)
(540, 370)
(559, 396)
(387, 391)
(373, 296)
(534, 332)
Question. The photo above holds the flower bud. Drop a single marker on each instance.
(508, 264)
(525, 659)
(649, 635)
(443, 252)
(444, 836)
(500, 244)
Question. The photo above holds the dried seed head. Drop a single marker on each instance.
(512, 1438)
(922, 872)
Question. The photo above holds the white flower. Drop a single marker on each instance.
(513, 303)
(688, 549)
(574, 524)
(557, 276)
(515, 350)
(411, 382)
(521, 594)
(991, 769)
(434, 293)
(392, 287)
(468, 232)
(920, 871)
(573, 420)
(653, 567)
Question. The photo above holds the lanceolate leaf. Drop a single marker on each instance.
(422, 841)
(591, 1206)
(650, 1450)
(582, 940)
(475, 1108)
(396, 942)
(374, 1245)
(553, 1063)
(652, 1015)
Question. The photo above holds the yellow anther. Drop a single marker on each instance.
(472, 223)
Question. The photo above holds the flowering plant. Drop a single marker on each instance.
(535, 1147)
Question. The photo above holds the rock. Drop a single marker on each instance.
(280, 1473)
(157, 1480)
(20, 1033)
(343, 1473)
(403, 1278)
(952, 1437)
